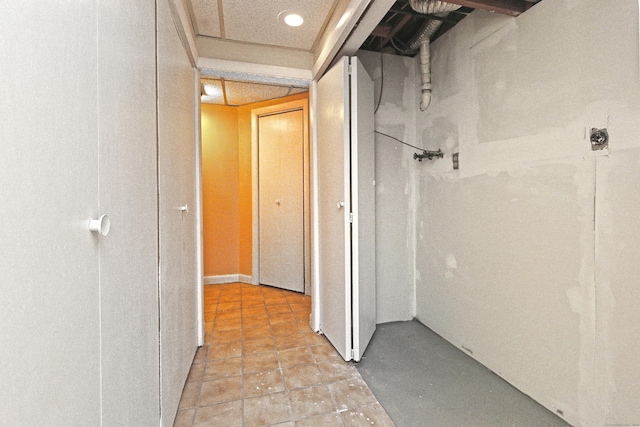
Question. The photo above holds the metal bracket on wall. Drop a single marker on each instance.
(599, 139)
(428, 155)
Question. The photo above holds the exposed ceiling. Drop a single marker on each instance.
(256, 23)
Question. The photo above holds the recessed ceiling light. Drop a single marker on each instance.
(293, 20)
(290, 18)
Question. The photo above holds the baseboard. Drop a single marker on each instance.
(242, 278)
(227, 278)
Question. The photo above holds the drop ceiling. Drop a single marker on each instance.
(257, 25)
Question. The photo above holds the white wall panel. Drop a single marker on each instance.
(176, 178)
(49, 295)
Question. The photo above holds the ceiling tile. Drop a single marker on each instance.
(206, 17)
(241, 93)
(257, 21)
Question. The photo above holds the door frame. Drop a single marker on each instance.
(256, 113)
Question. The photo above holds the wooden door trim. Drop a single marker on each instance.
(256, 113)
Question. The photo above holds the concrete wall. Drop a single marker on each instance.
(525, 255)
(395, 184)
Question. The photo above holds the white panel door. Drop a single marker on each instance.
(334, 206)
(49, 295)
(346, 208)
(128, 194)
(363, 208)
(177, 232)
(281, 199)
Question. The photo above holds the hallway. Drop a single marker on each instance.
(262, 365)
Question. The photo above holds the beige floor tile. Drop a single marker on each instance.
(224, 414)
(302, 376)
(190, 395)
(274, 300)
(229, 297)
(280, 308)
(256, 332)
(252, 302)
(295, 356)
(225, 336)
(196, 372)
(315, 339)
(298, 298)
(290, 341)
(260, 362)
(267, 410)
(201, 355)
(226, 306)
(219, 391)
(225, 350)
(184, 418)
(261, 383)
(223, 368)
(255, 321)
(277, 318)
(325, 352)
(327, 420)
(302, 316)
(227, 324)
(300, 307)
(337, 370)
(371, 415)
(230, 313)
(311, 401)
(351, 394)
(286, 328)
(253, 311)
(260, 345)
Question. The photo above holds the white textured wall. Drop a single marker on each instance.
(510, 264)
(395, 185)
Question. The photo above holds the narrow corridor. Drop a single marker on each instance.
(262, 365)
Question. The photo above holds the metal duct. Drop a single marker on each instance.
(422, 39)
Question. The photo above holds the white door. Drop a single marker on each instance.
(128, 195)
(281, 199)
(49, 261)
(346, 211)
(78, 311)
(177, 236)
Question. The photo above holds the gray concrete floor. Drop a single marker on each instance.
(423, 380)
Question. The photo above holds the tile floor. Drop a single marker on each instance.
(262, 365)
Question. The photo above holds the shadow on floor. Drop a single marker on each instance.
(423, 380)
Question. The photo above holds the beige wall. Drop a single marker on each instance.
(227, 186)
(508, 265)
(220, 190)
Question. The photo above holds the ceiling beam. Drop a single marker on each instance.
(505, 7)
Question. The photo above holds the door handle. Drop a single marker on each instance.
(340, 205)
(101, 225)
(183, 208)
(278, 202)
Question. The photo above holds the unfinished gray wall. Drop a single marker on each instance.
(527, 256)
(395, 185)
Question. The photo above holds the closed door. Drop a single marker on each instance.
(346, 208)
(49, 296)
(78, 311)
(281, 199)
(176, 214)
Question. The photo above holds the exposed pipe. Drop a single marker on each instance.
(422, 40)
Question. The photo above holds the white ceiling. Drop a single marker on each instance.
(256, 21)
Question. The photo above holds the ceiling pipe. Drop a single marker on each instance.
(422, 38)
